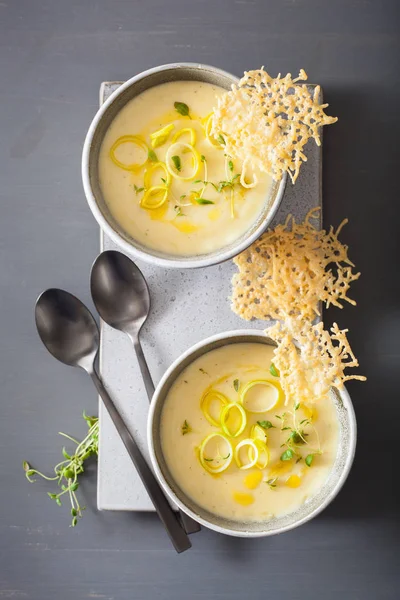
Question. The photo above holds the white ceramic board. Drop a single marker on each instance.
(187, 306)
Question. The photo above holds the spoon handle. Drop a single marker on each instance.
(144, 369)
(177, 534)
(190, 525)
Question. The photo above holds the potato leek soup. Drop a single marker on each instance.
(168, 182)
(234, 447)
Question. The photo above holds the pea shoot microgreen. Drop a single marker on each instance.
(185, 428)
(178, 211)
(287, 455)
(309, 459)
(272, 483)
(138, 189)
(66, 472)
(203, 201)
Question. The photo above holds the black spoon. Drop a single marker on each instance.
(70, 333)
(122, 299)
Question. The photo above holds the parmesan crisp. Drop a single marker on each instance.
(284, 276)
(267, 121)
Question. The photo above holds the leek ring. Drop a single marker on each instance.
(207, 398)
(205, 463)
(266, 383)
(253, 456)
(175, 149)
(147, 202)
(125, 139)
(225, 415)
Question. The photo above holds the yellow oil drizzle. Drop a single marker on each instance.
(157, 214)
(243, 499)
(253, 480)
(293, 481)
(280, 469)
(214, 214)
(184, 227)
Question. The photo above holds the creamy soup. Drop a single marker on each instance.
(233, 446)
(168, 182)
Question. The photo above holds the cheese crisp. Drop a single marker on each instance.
(284, 276)
(292, 258)
(267, 121)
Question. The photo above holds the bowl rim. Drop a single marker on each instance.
(130, 249)
(256, 333)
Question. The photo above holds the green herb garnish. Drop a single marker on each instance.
(203, 201)
(287, 455)
(273, 370)
(152, 156)
(178, 211)
(236, 385)
(309, 459)
(220, 139)
(185, 428)
(230, 165)
(182, 109)
(265, 424)
(68, 470)
(138, 189)
(203, 158)
(177, 162)
(164, 180)
(203, 371)
(272, 482)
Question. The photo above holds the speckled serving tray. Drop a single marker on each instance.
(187, 306)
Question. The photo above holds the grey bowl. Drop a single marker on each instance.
(90, 176)
(312, 507)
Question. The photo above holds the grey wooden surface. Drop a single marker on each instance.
(53, 55)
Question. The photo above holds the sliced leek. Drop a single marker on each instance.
(226, 411)
(158, 138)
(205, 402)
(253, 455)
(220, 461)
(154, 197)
(258, 433)
(149, 172)
(269, 404)
(129, 139)
(263, 455)
(186, 130)
(174, 151)
(207, 129)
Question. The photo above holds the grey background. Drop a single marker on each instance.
(53, 55)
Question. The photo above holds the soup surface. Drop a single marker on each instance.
(167, 182)
(251, 463)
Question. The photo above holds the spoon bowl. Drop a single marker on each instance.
(120, 292)
(67, 328)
